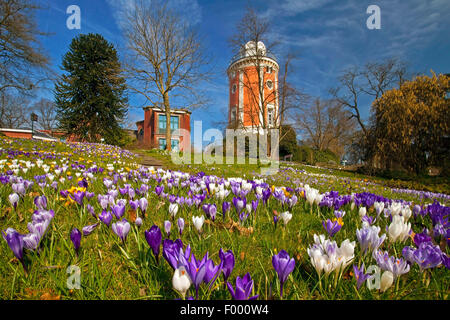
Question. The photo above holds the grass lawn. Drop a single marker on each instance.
(115, 269)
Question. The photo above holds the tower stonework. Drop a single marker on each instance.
(250, 108)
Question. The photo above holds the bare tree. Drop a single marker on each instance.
(326, 125)
(23, 65)
(13, 110)
(46, 112)
(371, 81)
(167, 59)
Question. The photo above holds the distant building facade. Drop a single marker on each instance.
(27, 134)
(151, 132)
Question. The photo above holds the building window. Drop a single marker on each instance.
(162, 144)
(233, 89)
(233, 115)
(269, 84)
(174, 122)
(175, 145)
(270, 117)
(162, 123)
(269, 69)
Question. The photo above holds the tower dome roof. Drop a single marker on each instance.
(250, 49)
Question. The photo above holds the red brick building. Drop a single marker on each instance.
(151, 132)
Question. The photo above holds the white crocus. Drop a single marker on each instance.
(173, 209)
(286, 217)
(181, 281)
(198, 222)
(398, 229)
(387, 279)
(362, 212)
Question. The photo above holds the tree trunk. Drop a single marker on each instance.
(168, 132)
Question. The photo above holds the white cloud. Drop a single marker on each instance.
(122, 7)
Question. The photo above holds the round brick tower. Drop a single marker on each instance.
(247, 109)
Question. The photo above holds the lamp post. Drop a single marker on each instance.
(34, 118)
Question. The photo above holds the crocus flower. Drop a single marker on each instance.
(332, 227)
(426, 256)
(239, 203)
(399, 229)
(138, 222)
(360, 276)
(167, 227)
(143, 204)
(286, 217)
(87, 230)
(173, 209)
(106, 217)
(227, 259)
(212, 272)
(243, 289)
(396, 266)
(134, 204)
(75, 236)
(421, 238)
(225, 207)
(13, 199)
(118, 210)
(172, 251)
(198, 222)
(78, 196)
(368, 238)
(31, 241)
(283, 265)
(91, 210)
(153, 237)
(121, 229)
(387, 279)
(180, 224)
(15, 242)
(40, 202)
(196, 270)
(181, 281)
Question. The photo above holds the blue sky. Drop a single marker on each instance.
(328, 36)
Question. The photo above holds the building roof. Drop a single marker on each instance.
(36, 134)
(159, 109)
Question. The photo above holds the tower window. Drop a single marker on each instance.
(233, 115)
(269, 69)
(269, 84)
(233, 88)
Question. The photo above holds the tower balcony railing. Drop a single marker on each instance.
(240, 56)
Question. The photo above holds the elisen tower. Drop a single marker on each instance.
(253, 99)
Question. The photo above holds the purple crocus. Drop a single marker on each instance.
(421, 238)
(134, 204)
(196, 270)
(106, 217)
(225, 207)
(118, 210)
(332, 227)
(40, 202)
(180, 224)
(243, 289)
(283, 265)
(15, 242)
(143, 204)
(91, 210)
(426, 256)
(360, 276)
(87, 230)
(167, 227)
(75, 236)
(78, 197)
(121, 229)
(171, 251)
(212, 272)
(239, 203)
(227, 259)
(153, 237)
